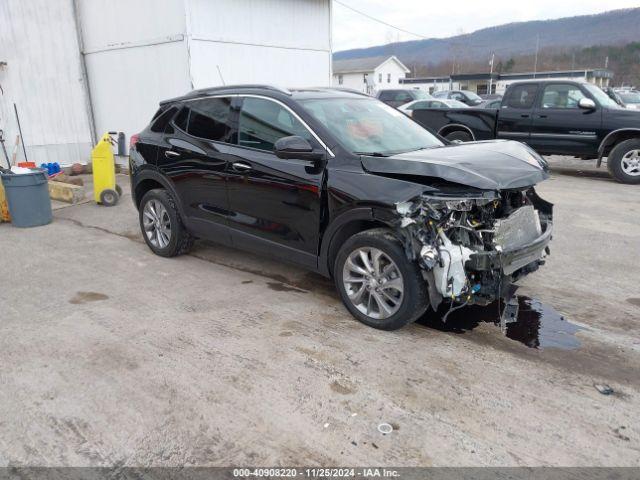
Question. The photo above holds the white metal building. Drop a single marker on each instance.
(369, 75)
(78, 68)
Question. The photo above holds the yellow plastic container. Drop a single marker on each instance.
(105, 190)
(4, 206)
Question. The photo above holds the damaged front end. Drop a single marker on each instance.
(473, 247)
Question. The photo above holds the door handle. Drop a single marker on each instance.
(171, 154)
(524, 115)
(542, 116)
(241, 166)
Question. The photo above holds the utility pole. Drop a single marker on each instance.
(535, 63)
(491, 73)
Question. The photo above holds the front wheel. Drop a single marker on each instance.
(624, 161)
(377, 282)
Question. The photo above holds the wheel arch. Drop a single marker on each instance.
(613, 138)
(340, 229)
(148, 180)
(455, 127)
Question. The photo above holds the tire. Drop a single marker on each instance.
(119, 190)
(409, 304)
(459, 135)
(109, 197)
(158, 208)
(623, 162)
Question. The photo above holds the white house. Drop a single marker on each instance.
(369, 74)
(78, 68)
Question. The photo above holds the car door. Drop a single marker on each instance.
(274, 203)
(515, 114)
(560, 125)
(193, 156)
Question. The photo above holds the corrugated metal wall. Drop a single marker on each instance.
(283, 42)
(44, 78)
(136, 56)
(140, 52)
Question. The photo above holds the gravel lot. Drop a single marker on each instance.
(111, 355)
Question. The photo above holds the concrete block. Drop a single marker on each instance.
(66, 192)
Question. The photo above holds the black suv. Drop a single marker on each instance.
(344, 185)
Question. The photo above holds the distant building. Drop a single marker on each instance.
(498, 82)
(369, 74)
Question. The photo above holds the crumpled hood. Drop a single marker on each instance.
(488, 165)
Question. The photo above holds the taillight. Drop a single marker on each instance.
(133, 140)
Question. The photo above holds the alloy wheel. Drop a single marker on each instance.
(631, 163)
(373, 282)
(157, 224)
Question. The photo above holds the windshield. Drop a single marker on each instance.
(472, 96)
(366, 126)
(602, 98)
(630, 97)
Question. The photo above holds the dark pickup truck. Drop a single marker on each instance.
(553, 117)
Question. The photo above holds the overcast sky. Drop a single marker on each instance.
(442, 19)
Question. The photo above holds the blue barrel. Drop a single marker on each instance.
(28, 198)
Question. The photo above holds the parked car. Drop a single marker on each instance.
(398, 97)
(346, 186)
(490, 96)
(408, 108)
(464, 96)
(630, 98)
(495, 103)
(553, 117)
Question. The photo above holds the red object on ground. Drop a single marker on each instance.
(27, 164)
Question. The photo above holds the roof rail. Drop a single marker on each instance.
(344, 89)
(203, 92)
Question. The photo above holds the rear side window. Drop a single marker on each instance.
(387, 95)
(211, 119)
(161, 121)
(521, 96)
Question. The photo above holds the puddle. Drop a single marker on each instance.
(538, 326)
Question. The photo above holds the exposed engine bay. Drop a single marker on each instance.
(473, 246)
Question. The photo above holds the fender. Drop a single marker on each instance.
(152, 173)
(457, 126)
(355, 214)
(609, 140)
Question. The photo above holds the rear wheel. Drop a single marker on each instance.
(162, 226)
(459, 135)
(376, 281)
(624, 161)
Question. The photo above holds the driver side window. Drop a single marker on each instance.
(263, 122)
(562, 96)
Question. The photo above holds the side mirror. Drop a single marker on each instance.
(295, 147)
(587, 104)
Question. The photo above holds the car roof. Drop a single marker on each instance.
(268, 90)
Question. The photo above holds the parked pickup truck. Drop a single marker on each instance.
(553, 117)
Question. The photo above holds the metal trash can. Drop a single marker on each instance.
(28, 198)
